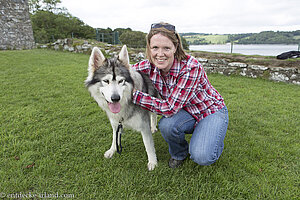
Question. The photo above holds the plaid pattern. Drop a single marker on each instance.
(186, 86)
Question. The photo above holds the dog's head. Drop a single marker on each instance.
(109, 80)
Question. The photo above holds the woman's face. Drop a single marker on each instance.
(162, 52)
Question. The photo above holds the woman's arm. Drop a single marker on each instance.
(181, 94)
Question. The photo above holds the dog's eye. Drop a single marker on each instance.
(106, 81)
(121, 81)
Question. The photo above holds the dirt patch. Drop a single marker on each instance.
(268, 61)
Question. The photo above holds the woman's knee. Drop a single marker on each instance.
(203, 161)
(204, 157)
(180, 122)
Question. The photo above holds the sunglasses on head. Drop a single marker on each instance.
(166, 26)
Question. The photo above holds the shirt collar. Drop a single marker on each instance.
(174, 71)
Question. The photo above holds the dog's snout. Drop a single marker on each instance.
(115, 98)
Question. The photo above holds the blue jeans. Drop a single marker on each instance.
(207, 142)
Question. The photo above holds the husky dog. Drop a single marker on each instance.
(111, 83)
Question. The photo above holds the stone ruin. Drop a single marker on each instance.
(16, 29)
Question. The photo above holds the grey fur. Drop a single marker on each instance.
(111, 81)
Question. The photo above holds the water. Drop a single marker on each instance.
(247, 49)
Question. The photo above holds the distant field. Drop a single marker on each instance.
(297, 37)
(213, 39)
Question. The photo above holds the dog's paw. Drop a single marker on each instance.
(153, 129)
(151, 166)
(109, 153)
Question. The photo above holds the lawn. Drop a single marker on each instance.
(53, 137)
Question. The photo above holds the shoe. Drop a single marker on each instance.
(175, 163)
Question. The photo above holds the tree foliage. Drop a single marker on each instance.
(133, 38)
(48, 26)
(265, 37)
(185, 44)
(50, 22)
(268, 37)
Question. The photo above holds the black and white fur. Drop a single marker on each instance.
(111, 83)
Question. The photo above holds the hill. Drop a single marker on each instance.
(271, 37)
(265, 37)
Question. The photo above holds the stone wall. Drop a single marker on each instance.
(86, 48)
(280, 74)
(16, 30)
(221, 66)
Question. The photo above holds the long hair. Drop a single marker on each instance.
(172, 35)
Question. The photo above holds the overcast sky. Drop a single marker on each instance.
(201, 16)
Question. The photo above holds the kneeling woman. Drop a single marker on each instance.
(189, 104)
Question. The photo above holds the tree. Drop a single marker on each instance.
(133, 39)
(122, 30)
(185, 44)
(48, 26)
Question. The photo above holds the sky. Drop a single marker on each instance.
(199, 16)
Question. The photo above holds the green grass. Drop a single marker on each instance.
(48, 119)
(296, 37)
(213, 39)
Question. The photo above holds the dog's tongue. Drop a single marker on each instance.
(114, 107)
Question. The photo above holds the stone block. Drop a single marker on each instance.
(237, 64)
(258, 67)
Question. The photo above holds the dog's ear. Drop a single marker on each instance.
(123, 56)
(96, 59)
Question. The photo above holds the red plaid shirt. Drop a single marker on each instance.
(186, 86)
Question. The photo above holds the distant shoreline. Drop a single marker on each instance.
(247, 49)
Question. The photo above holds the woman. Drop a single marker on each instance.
(189, 104)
